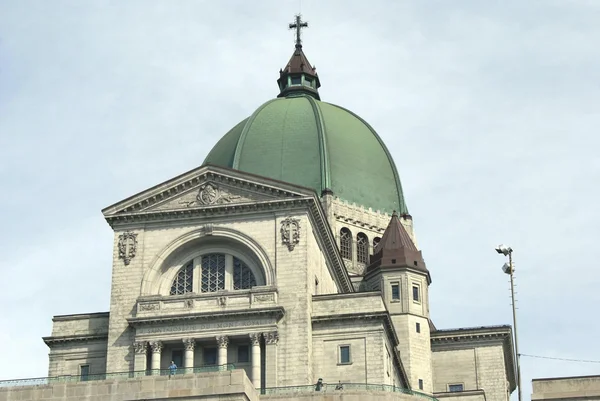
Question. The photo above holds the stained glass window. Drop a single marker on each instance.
(183, 281)
(213, 272)
(362, 248)
(346, 243)
(243, 277)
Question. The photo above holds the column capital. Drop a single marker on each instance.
(189, 343)
(271, 337)
(139, 347)
(223, 341)
(156, 346)
(255, 338)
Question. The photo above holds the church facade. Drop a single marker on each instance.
(289, 255)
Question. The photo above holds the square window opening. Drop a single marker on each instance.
(418, 327)
(455, 388)
(344, 354)
(420, 384)
(84, 372)
(210, 356)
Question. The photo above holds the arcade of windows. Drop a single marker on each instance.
(216, 272)
(362, 246)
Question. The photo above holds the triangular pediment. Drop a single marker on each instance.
(204, 188)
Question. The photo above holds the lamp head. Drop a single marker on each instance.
(504, 249)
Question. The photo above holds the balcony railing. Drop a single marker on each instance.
(41, 381)
(341, 387)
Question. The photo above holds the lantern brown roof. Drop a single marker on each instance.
(299, 64)
(397, 249)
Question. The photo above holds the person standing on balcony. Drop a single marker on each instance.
(172, 369)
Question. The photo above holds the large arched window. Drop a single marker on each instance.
(362, 248)
(213, 272)
(346, 243)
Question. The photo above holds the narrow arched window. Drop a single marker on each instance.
(362, 248)
(375, 242)
(213, 272)
(184, 280)
(243, 278)
(346, 243)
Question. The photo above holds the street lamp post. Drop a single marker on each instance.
(509, 269)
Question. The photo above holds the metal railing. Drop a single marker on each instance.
(40, 381)
(341, 387)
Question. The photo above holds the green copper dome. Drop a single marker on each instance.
(304, 141)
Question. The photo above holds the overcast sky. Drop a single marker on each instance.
(490, 109)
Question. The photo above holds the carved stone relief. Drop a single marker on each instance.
(189, 344)
(139, 347)
(149, 307)
(264, 298)
(156, 346)
(271, 337)
(223, 341)
(290, 232)
(127, 246)
(255, 338)
(222, 301)
(210, 194)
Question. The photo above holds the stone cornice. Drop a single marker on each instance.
(80, 316)
(53, 340)
(452, 394)
(276, 312)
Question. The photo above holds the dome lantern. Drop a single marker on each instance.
(298, 77)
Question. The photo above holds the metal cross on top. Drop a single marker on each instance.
(298, 25)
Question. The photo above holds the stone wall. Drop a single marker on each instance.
(229, 386)
(570, 388)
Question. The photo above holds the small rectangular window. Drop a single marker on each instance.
(243, 355)
(84, 372)
(296, 80)
(416, 295)
(455, 388)
(344, 354)
(418, 327)
(420, 384)
(395, 292)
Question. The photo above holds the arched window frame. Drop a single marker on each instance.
(196, 260)
(362, 248)
(346, 243)
(375, 242)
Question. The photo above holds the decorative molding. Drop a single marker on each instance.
(255, 338)
(127, 246)
(264, 298)
(271, 337)
(211, 194)
(149, 307)
(189, 343)
(290, 232)
(156, 346)
(223, 341)
(139, 347)
(52, 340)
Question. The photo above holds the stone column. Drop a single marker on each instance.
(223, 342)
(255, 339)
(140, 349)
(271, 339)
(157, 347)
(188, 361)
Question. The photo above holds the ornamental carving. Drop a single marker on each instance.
(223, 341)
(189, 344)
(156, 346)
(127, 246)
(139, 347)
(222, 301)
(271, 337)
(290, 232)
(264, 298)
(189, 303)
(255, 338)
(148, 307)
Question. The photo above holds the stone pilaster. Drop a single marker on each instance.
(188, 361)
(140, 349)
(271, 339)
(223, 342)
(157, 347)
(255, 340)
